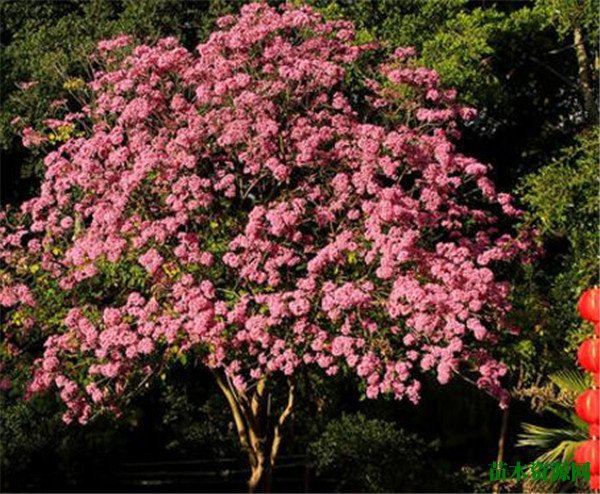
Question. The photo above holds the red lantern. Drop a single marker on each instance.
(587, 406)
(589, 305)
(589, 451)
(588, 355)
(579, 454)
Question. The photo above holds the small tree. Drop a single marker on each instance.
(278, 199)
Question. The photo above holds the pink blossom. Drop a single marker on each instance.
(115, 43)
(32, 138)
(151, 260)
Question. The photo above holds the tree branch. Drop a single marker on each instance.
(282, 418)
(585, 82)
(238, 417)
(258, 396)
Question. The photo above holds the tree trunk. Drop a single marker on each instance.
(585, 84)
(259, 437)
(260, 479)
(501, 445)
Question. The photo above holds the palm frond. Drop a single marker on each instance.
(570, 380)
(557, 444)
(563, 452)
(536, 436)
(568, 416)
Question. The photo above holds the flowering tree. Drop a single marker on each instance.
(278, 199)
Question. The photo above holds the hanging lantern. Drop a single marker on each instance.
(587, 406)
(589, 452)
(588, 355)
(589, 305)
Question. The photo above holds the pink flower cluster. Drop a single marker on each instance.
(234, 205)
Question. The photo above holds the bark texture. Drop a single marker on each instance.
(260, 434)
(585, 84)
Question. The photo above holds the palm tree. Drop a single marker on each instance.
(558, 444)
